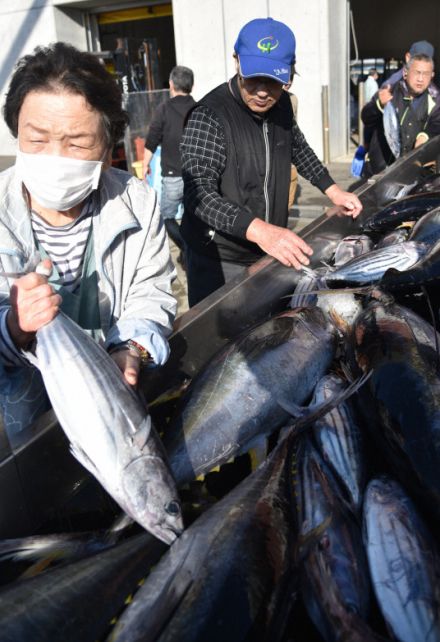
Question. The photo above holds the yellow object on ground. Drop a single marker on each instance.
(137, 167)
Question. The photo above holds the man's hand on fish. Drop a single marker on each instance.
(350, 204)
(129, 364)
(385, 95)
(283, 244)
(34, 303)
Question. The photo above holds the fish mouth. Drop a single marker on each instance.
(166, 534)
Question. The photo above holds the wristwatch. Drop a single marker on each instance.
(144, 355)
(133, 346)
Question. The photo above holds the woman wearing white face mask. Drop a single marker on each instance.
(97, 227)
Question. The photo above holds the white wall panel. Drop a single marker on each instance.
(200, 41)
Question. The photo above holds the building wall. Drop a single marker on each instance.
(28, 24)
(205, 33)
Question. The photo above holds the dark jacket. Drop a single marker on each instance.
(414, 115)
(166, 129)
(236, 168)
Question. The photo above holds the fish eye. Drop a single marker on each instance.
(173, 508)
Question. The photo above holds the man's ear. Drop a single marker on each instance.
(237, 62)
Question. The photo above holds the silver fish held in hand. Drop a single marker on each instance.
(109, 429)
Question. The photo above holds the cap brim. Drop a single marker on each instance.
(253, 66)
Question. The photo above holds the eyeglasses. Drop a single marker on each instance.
(420, 74)
(254, 81)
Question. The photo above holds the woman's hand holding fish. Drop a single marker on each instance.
(129, 364)
(350, 204)
(33, 304)
(283, 244)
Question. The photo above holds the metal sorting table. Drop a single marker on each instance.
(41, 477)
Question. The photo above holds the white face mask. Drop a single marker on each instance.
(57, 182)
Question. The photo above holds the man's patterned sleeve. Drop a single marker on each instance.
(203, 151)
(306, 161)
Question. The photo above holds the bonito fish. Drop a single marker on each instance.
(244, 390)
(333, 565)
(404, 563)
(227, 577)
(110, 431)
(338, 436)
(370, 267)
(403, 410)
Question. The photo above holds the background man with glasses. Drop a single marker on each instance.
(402, 115)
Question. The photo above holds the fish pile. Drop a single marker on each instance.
(328, 413)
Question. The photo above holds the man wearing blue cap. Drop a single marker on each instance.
(237, 150)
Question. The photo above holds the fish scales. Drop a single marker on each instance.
(404, 563)
(110, 431)
(239, 395)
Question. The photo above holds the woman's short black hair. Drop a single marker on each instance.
(62, 66)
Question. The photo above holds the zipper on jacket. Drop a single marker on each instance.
(266, 176)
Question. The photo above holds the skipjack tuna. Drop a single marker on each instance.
(228, 575)
(404, 563)
(404, 407)
(244, 392)
(410, 208)
(110, 431)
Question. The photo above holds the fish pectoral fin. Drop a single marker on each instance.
(83, 459)
(292, 408)
(142, 434)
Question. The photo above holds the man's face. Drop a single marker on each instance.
(260, 93)
(418, 76)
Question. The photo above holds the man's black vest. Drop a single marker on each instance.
(251, 142)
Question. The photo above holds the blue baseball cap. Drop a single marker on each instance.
(266, 47)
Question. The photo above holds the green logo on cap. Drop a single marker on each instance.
(266, 45)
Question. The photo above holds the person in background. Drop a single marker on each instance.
(416, 102)
(293, 171)
(237, 150)
(166, 129)
(422, 48)
(98, 229)
(371, 86)
(122, 63)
